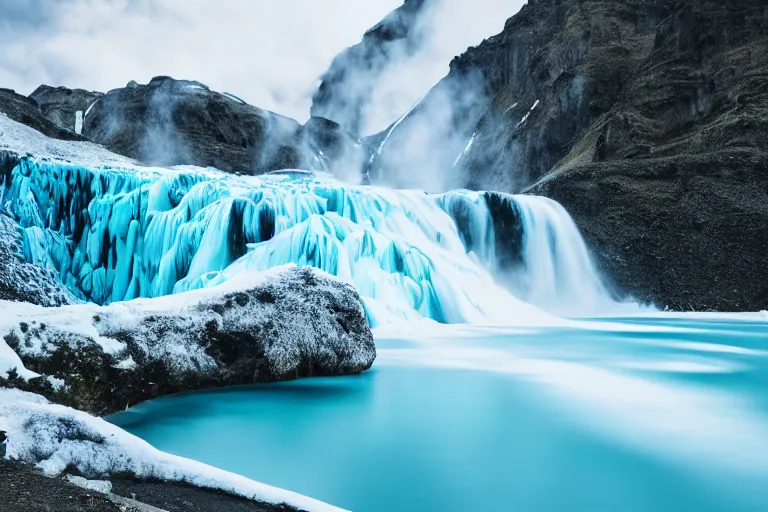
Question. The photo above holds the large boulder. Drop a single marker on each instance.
(288, 323)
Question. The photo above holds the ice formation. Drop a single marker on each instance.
(117, 233)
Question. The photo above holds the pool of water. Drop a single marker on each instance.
(632, 414)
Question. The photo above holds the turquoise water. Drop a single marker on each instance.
(632, 414)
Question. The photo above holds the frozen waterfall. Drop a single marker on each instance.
(116, 234)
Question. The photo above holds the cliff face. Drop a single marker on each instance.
(61, 105)
(646, 119)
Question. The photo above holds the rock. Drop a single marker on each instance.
(61, 105)
(331, 148)
(27, 111)
(180, 122)
(285, 324)
(687, 232)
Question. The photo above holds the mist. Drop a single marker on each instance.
(445, 29)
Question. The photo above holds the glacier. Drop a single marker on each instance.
(117, 232)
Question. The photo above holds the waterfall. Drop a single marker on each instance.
(116, 234)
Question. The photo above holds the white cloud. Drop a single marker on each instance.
(268, 52)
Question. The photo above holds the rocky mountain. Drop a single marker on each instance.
(180, 122)
(646, 119)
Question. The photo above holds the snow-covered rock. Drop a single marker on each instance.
(59, 439)
(281, 324)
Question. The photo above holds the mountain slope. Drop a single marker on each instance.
(647, 119)
(181, 122)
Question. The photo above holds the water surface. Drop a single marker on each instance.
(629, 414)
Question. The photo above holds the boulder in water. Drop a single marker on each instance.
(288, 323)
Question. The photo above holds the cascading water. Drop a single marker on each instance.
(116, 234)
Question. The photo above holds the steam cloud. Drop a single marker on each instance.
(445, 29)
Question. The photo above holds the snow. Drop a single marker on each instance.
(57, 438)
(235, 98)
(79, 122)
(510, 108)
(102, 486)
(392, 129)
(466, 149)
(528, 114)
(89, 108)
(23, 140)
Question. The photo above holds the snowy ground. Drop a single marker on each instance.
(23, 140)
(56, 438)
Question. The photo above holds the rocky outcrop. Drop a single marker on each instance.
(347, 84)
(646, 119)
(290, 323)
(179, 122)
(27, 111)
(65, 107)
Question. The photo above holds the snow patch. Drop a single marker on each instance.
(102, 486)
(235, 98)
(56, 438)
(79, 122)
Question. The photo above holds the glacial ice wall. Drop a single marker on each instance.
(114, 234)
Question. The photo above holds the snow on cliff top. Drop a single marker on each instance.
(23, 140)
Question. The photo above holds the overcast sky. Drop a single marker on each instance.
(269, 52)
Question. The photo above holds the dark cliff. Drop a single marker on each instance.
(61, 105)
(646, 119)
(180, 122)
(27, 111)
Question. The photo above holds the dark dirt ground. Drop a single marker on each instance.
(25, 489)
(182, 498)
